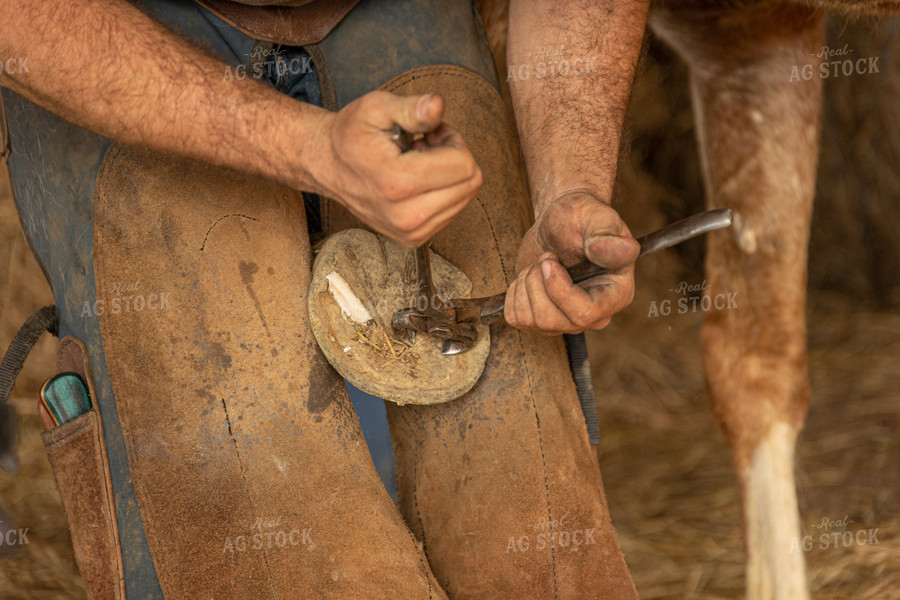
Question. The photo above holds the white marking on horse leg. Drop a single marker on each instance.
(774, 571)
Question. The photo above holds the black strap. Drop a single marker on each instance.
(35, 325)
(30, 332)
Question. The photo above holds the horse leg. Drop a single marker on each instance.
(757, 116)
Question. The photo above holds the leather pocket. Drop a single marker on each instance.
(77, 454)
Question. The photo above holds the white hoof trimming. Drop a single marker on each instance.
(351, 306)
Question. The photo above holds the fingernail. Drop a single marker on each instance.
(545, 269)
(596, 238)
(424, 104)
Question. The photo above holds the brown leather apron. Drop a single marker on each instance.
(289, 22)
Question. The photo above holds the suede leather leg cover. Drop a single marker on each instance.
(501, 486)
(248, 461)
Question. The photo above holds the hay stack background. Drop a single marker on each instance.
(666, 467)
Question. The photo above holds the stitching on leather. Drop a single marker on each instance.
(415, 495)
(447, 70)
(537, 420)
(206, 237)
(494, 235)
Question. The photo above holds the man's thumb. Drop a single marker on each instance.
(612, 251)
(421, 114)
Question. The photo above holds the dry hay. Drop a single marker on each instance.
(668, 472)
(23, 290)
(854, 241)
(379, 276)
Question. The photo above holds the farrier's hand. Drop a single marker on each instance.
(407, 196)
(543, 298)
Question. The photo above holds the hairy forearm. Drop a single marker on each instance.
(107, 67)
(570, 69)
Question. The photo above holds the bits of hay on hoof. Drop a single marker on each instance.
(381, 276)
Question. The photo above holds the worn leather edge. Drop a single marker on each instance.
(326, 81)
(291, 26)
(4, 134)
(71, 355)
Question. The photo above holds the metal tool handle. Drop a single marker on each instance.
(402, 138)
(669, 236)
(680, 231)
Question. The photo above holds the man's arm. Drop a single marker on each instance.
(108, 67)
(570, 69)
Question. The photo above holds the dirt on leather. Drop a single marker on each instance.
(667, 470)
